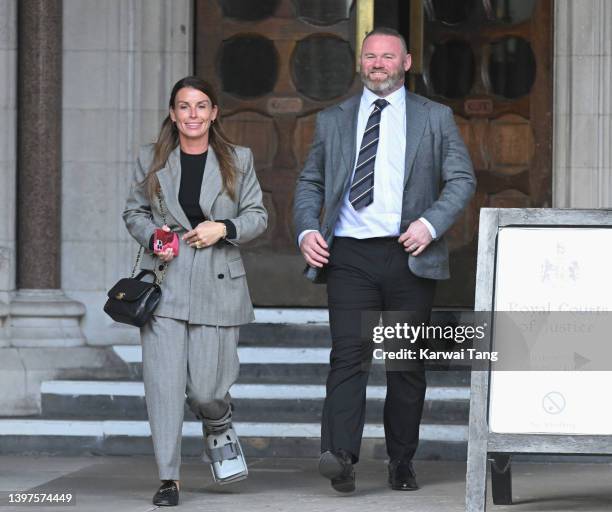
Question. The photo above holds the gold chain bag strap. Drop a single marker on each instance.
(164, 267)
(132, 300)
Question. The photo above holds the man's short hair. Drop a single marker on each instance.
(387, 31)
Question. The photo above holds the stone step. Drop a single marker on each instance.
(310, 327)
(291, 365)
(317, 374)
(284, 362)
(290, 335)
(111, 437)
(253, 402)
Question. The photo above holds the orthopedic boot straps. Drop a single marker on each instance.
(223, 448)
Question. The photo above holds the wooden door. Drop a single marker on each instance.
(276, 63)
(491, 61)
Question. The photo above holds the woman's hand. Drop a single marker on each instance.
(168, 255)
(205, 234)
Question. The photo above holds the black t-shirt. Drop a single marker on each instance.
(192, 172)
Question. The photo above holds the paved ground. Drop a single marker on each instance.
(126, 484)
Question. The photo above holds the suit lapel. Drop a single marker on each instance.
(347, 127)
(212, 184)
(416, 120)
(170, 181)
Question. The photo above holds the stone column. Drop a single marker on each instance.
(40, 313)
(8, 108)
(582, 158)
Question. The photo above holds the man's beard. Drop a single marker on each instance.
(388, 84)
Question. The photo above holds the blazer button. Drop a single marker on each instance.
(220, 276)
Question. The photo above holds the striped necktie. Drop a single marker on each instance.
(362, 188)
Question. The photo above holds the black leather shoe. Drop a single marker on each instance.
(338, 467)
(402, 476)
(167, 495)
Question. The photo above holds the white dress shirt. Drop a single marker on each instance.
(382, 217)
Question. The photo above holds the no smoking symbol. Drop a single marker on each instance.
(553, 402)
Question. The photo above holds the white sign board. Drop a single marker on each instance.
(552, 269)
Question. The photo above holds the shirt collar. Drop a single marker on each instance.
(395, 98)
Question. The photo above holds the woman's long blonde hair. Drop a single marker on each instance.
(168, 140)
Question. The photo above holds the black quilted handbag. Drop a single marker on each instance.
(132, 301)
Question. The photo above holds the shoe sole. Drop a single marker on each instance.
(344, 486)
(398, 488)
(330, 467)
(166, 504)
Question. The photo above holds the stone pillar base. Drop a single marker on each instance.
(45, 318)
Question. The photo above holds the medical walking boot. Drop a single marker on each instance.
(227, 461)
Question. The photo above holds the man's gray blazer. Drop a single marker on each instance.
(203, 286)
(438, 178)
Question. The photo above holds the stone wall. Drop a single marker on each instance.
(121, 58)
(582, 162)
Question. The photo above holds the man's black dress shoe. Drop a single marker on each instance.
(402, 476)
(167, 495)
(338, 467)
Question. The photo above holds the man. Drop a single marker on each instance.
(390, 174)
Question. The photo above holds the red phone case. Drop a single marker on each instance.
(163, 240)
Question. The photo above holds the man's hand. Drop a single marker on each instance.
(314, 249)
(416, 238)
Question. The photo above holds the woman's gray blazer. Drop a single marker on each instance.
(202, 286)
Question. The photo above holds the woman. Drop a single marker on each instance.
(194, 182)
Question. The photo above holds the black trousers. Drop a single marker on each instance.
(371, 275)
